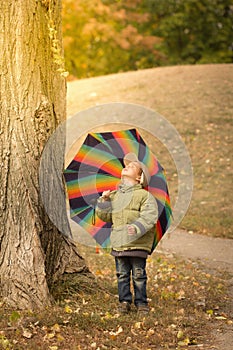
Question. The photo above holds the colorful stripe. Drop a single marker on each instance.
(88, 225)
(85, 186)
(151, 162)
(98, 165)
(160, 195)
(130, 146)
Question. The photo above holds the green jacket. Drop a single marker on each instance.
(130, 205)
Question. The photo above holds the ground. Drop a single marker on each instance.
(190, 273)
(215, 256)
(197, 100)
(190, 301)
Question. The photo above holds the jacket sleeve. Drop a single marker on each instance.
(148, 215)
(104, 209)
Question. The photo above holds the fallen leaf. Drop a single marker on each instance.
(27, 334)
(184, 342)
(56, 328)
(220, 318)
(50, 335)
(128, 340)
(137, 325)
(133, 331)
(4, 342)
(180, 334)
(67, 301)
(68, 310)
(66, 321)
(210, 312)
(150, 332)
(115, 334)
(181, 295)
(60, 337)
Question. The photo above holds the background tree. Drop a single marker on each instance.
(108, 36)
(194, 31)
(32, 86)
(102, 37)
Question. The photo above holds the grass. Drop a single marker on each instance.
(186, 303)
(197, 100)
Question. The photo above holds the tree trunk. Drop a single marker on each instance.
(33, 254)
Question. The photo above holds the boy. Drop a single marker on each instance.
(133, 212)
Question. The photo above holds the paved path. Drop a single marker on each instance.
(215, 253)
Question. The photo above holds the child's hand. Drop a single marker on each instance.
(106, 194)
(131, 230)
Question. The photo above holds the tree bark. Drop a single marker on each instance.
(33, 254)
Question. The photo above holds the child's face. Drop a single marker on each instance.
(132, 170)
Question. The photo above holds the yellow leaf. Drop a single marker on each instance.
(68, 310)
(180, 334)
(210, 312)
(137, 325)
(184, 342)
(50, 335)
(56, 328)
(4, 342)
(60, 337)
(108, 315)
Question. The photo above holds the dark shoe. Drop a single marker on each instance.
(143, 309)
(124, 307)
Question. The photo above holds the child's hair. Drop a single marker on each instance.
(140, 171)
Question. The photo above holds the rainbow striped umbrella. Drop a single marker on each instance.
(97, 167)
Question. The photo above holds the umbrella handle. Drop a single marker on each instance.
(93, 217)
(93, 202)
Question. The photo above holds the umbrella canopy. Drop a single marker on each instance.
(97, 167)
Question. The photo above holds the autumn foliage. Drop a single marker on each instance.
(101, 39)
(106, 36)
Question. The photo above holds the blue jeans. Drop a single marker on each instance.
(124, 266)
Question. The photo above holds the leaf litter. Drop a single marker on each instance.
(185, 302)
